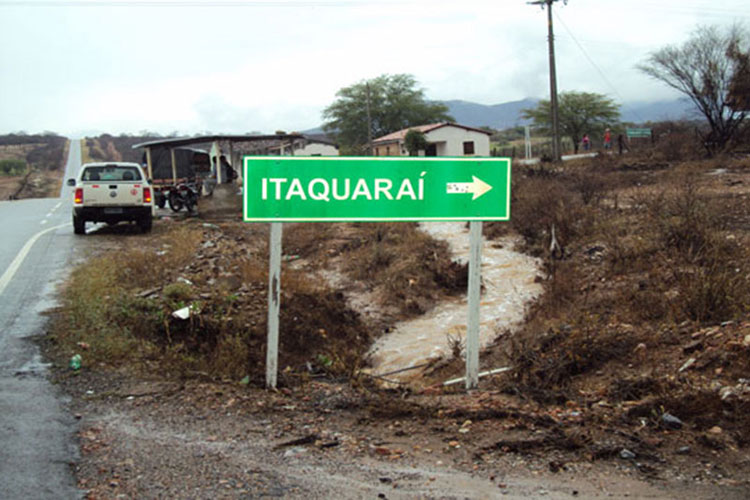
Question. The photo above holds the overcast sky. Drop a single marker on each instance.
(78, 67)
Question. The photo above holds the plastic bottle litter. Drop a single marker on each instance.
(75, 362)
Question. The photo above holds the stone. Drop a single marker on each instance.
(669, 421)
(687, 364)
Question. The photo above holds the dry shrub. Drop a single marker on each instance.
(713, 292)
(634, 388)
(649, 302)
(147, 267)
(493, 230)
(546, 364)
(685, 219)
(701, 409)
(252, 270)
(708, 271)
(408, 266)
(678, 146)
(590, 184)
(307, 239)
(540, 202)
(319, 328)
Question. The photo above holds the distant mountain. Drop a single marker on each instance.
(677, 109)
(497, 116)
(501, 116)
(508, 114)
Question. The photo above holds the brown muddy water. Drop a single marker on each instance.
(508, 279)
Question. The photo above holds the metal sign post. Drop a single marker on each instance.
(274, 304)
(472, 328)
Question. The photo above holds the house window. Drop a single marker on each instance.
(388, 151)
(469, 147)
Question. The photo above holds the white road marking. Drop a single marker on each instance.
(43, 222)
(13, 267)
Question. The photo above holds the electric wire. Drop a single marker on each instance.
(596, 67)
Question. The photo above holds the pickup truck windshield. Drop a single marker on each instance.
(111, 173)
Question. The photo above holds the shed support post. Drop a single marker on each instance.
(237, 171)
(174, 166)
(216, 150)
(149, 166)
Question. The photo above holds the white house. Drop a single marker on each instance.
(444, 139)
(309, 146)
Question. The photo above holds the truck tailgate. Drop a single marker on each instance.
(116, 194)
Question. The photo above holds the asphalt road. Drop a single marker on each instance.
(37, 446)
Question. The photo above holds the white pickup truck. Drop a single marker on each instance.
(112, 192)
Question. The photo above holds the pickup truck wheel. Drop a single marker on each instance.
(145, 224)
(79, 225)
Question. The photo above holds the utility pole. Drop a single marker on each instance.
(556, 154)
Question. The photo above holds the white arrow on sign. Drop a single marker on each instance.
(477, 187)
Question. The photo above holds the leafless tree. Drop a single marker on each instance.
(706, 68)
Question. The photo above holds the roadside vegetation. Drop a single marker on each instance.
(12, 167)
(643, 319)
(31, 165)
(118, 307)
(645, 305)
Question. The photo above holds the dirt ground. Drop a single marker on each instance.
(145, 435)
(145, 438)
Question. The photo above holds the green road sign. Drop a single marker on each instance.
(638, 132)
(338, 188)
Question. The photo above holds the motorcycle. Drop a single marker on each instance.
(183, 195)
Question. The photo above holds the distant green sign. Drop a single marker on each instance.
(328, 189)
(637, 132)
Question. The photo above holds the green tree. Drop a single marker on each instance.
(707, 68)
(393, 102)
(579, 113)
(415, 141)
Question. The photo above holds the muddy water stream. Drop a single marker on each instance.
(508, 280)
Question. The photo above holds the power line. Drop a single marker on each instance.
(594, 65)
